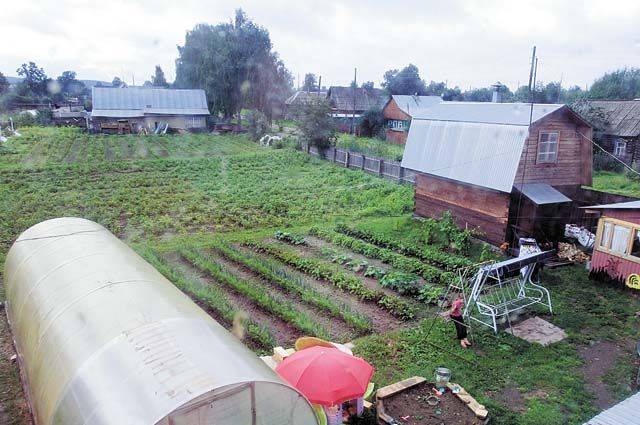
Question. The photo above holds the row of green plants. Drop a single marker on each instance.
(429, 254)
(210, 296)
(402, 282)
(319, 270)
(429, 273)
(289, 238)
(275, 273)
(255, 293)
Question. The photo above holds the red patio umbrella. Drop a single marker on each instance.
(326, 376)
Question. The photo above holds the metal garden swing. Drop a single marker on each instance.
(499, 289)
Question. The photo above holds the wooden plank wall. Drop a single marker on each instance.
(574, 162)
(391, 111)
(471, 206)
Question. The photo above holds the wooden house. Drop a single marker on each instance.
(349, 103)
(501, 168)
(398, 112)
(616, 251)
(138, 108)
(621, 133)
(299, 98)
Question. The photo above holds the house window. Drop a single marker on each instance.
(620, 238)
(621, 148)
(397, 124)
(548, 146)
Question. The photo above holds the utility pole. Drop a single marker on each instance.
(354, 89)
(560, 87)
(298, 81)
(533, 60)
(319, 85)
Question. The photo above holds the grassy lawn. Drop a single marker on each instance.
(370, 146)
(303, 247)
(620, 183)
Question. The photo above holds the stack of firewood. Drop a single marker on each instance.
(570, 252)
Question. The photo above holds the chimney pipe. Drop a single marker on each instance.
(497, 93)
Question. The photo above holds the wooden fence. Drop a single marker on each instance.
(382, 167)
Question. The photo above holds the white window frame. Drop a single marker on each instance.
(620, 148)
(616, 237)
(548, 149)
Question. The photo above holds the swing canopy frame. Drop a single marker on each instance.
(498, 289)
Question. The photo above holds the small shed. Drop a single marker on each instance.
(621, 133)
(616, 251)
(398, 112)
(299, 98)
(103, 339)
(147, 108)
(502, 168)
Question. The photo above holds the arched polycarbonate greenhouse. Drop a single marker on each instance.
(103, 338)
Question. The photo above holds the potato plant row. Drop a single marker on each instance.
(429, 254)
(319, 270)
(429, 273)
(274, 272)
(254, 292)
(211, 296)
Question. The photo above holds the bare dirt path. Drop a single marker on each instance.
(14, 409)
(599, 359)
(284, 333)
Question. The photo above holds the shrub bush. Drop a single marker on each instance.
(257, 124)
(605, 162)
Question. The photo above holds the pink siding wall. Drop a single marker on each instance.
(616, 267)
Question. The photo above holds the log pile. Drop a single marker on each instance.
(570, 252)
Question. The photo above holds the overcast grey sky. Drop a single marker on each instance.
(467, 43)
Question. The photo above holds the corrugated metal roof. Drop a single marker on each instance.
(486, 155)
(342, 98)
(487, 112)
(623, 116)
(412, 104)
(303, 97)
(542, 193)
(619, 206)
(627, 412)
(153, 101)
(117, 113)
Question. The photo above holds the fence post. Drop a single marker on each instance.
(334, 154)
(363, 159)
(346, 159)
(380, 161)
(401, 174)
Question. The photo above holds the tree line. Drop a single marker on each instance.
(234, 62)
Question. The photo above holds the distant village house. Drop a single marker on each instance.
(138, 109)
(398, 112)
(299, 98)
(349, 103)
(621, 135)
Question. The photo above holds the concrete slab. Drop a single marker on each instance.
(538, 330)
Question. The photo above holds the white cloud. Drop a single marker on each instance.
(468, 43)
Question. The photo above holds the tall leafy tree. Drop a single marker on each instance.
(158, 79)
(406, 81)
(310, 82)
(4, 84)
(117, 82)
(69, 85)
(622, 84)
(35, 79)
(234, 64)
